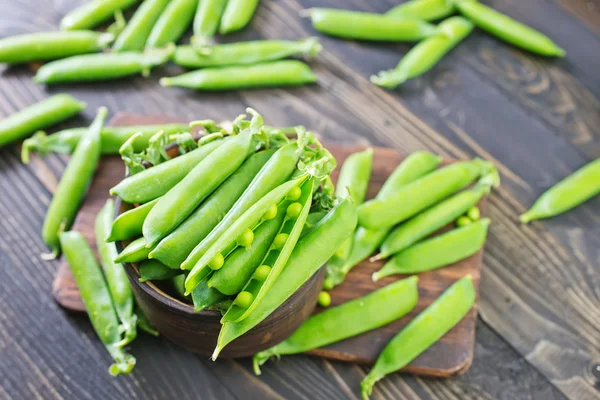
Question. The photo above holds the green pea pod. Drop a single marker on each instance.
(426, 54)
(356, 316)
(135, 251)
(508, 29)
(180, 201)
(247, 220)
(423, 331)
(73, 185)
(426, 10)
(178, 285)
(205, 297)
(144, 324)
(276, 257)
(37, 116)
(176, 246)
(237, 15)
(438, 251)
(152, 270)
(311, 252)
(245, 53)
(172, 23)
(154, 182)
(116, 278)
(573, 190)
(241, 264)
(366, 241)
(419, 195)
(271, 74)
(43, 46)
(135, 34)
(129, 224)
(206, 20)
(436, 217)
(368, 26)
(93, 13)
(96, 298)
(275, 172)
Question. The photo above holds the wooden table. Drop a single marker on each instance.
(539, 332)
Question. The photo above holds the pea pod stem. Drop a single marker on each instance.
(139, 27)
(93, 13)
(237, 14)
(422, 332)
(426, 10)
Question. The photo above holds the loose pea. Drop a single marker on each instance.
(324, 299)
(280, 240)
(271, 212)
(474, 213)
(237, 15)
(139, 27)
(246, 238)
(463, 221)
(93, 13)
(294, 194)
(243, 299)
(294, 210)
(217, 262)
(262, 273)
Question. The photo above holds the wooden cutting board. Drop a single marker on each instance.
(451, 355)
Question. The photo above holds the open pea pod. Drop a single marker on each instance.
(248, 220)
(276, 257)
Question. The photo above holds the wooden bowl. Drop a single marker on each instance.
(198, 331)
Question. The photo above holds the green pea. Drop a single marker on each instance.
(206, 20)
(463, 221)
(139, 27)
(172, 23)
(271, 212)
(216, 262)
(243, 299)
(237, 15)
(280, 240)
(294, 194)
(294, 210)
(262, 273)
(93, 13)
(426, 10)
(324, 299)
(474, 213)
(246, 238)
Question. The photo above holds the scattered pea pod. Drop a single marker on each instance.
(423, 331)
(426, 10)
(96, 298)
(310, 253)
(37, 116)
(426, 54)
(417, 196)
(176, 246)
(101, 66)
(367, 26)
(73, 184)
(366, 241)
(153, 270)
(237, 15)
(116, 278)
(154, 182)
(206, 20)
(357, 316)
(93, 13)
(507, 29)
(244, 53)
(43, 46)
(276, 73)
(172, 23)
(438, 251)
(566, 194)
(135, 251)
(129, 224)
(205, 297)
(139, 27)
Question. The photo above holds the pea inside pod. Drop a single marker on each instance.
(93, 13)
(426, 10)
(237, 14)
(139, 27)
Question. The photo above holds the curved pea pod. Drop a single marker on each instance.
(237, 15)
(271, 74)
(417, 196)
(172, 23)
(434, 218)
(439, 251)
(153, 270)
(368, 26)
(423, 331)
(101, 66)
(93, 13)
(366, 241)
(241, 264)
(508, 29)
(176, 246)
(137, 30)
(426, 10)
(276, 258)
(247, 220)
(356, 316)
(207, 18)
(275, 172)
(154, 182)
(135, 251)
(566, 194)
(204, 296)
(96, 298)
(116, 278)
(129, 224)
(43, 46)
(181, 200)
(310, 253)
(426, 54)
(73, 184)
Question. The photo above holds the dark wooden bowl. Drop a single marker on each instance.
(198, 331)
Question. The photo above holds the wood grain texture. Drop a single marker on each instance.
(540, 285)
